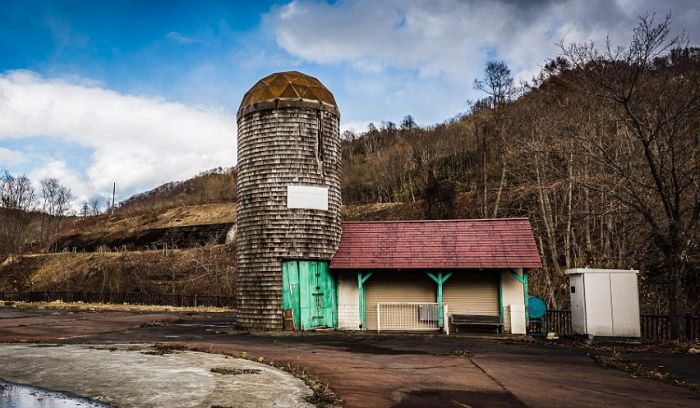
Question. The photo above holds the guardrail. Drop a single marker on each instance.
(135, 298)
(407, 316)
(653, 327)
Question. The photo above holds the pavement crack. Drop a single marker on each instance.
(494, 379)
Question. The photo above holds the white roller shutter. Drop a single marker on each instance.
(396, 286)
(474, 293)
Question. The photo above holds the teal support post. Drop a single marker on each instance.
(361, 279)
(526, 289)
(440, 279)
(500, 297)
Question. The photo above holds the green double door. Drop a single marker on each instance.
(309, 290)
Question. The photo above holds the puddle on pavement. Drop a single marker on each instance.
(23, 396)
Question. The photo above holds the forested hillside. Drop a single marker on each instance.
(210, 187)
(600, 151)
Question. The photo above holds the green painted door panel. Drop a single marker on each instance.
(315, 302)
(324, 296)
(290, 290)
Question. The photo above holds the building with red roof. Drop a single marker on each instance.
(423, 275)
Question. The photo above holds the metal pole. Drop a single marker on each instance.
(114, 190)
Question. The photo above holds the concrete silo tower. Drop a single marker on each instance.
(288, 224)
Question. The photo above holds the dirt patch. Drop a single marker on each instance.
(672, 362)
(462, 353)
(640, 346)
(458, 398)
(323, 395)
(686, 366)
(638, 370)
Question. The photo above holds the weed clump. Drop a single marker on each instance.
(161, 349)
(235, 370)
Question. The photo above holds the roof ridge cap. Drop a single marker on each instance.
(435, 221)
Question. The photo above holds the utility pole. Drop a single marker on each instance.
(114, 189)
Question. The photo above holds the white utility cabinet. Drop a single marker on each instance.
(604, 302)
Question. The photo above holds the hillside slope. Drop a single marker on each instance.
(207, 270)
(148, 227)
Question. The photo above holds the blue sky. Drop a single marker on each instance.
(145, 92)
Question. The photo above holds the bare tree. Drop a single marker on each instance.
(95, 207)
(408, 123)
(16, 192)
(56, 202)
(497, 83)
(371, 140)
(16, 199)
(651, 166)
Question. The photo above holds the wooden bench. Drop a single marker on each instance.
(462, 320)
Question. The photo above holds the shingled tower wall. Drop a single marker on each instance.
(288, 135)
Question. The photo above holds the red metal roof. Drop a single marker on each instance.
(445, 244)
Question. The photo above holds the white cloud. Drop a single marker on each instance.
(139, 142)
(181, 38)
(80, 187)
(452, 38)
(11, 156)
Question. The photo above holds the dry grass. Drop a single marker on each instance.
(102, 307)
(666, 347)
(637, 370)
(123, 224)
(235, 370)
(613, 356)
(382, 212)
(202, 271)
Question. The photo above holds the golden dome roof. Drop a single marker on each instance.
(287, 89)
